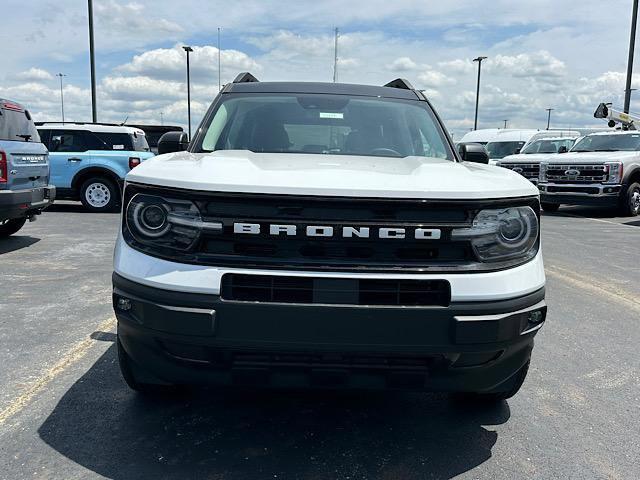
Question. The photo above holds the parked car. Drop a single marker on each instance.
(527, 162)
(545, 134)
(89, 160)
(24, 169)
(154, 132)
(507, 142)
(601, 169)
(327, 235)
(481, 136)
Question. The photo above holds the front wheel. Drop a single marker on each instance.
(550, 207)
(630, 200)
(100, 194)
(11, 226)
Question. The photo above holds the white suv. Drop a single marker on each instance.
(327, 235)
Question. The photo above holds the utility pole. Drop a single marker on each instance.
(549, 110)
(479, 60)
(161, 118)
(188, 49)
(219, 62)
(92, 56)
(335, 56)
(61, 94)
(505, 123)
(632, 44)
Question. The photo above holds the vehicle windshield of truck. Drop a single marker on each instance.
(122, 141)
(608, 143)
(325, 124)
(502, 149)
(16, 123)
(547, 146)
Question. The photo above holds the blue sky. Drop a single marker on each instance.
(542, 53)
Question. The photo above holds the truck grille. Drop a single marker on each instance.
(530, 171)
(569, 173)
(334, 291)
(335, 253)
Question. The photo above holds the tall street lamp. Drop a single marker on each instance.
(505, 123)
(549, 110)
(479, 60)
(188, 49)
(61, 94)
(632, 43)
(92, 58)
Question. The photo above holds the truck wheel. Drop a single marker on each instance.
(99, 194)
(502, 392)
(550, 207)
(11, 226)
(132, 375)
(631, 200)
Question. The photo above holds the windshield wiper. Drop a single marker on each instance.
(605, 150)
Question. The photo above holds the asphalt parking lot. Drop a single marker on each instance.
(65, 413)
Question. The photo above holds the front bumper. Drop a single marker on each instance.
(199, 338)
(580, 193)
(22, 203)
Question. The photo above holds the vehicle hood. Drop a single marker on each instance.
(331, 175)
(528, 157)
(593, 157)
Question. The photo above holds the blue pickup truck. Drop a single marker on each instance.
(90, 160)
(24, 169)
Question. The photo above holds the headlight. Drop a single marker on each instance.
(614, 169)
(502, 234)
(165, 222)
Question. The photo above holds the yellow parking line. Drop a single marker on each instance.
(78, 351)
(588, 283)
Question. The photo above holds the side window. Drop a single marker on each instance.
(45, 135)
(68, 141)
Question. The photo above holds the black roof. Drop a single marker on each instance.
(316, 87)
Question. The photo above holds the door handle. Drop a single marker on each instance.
(74, 159)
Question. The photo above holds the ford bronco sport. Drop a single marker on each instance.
(327, 235)
(24, 169)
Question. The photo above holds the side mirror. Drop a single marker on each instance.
(563, 149)
(173, 142)
(473, 152)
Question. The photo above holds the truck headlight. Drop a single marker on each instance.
(502, 234)
(164, 222)
(614, 170)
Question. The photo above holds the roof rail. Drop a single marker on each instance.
(400, 83)
(245, 77)
(39, 124)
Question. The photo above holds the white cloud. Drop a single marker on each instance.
(403, 64)
(34, 75)
(433, 78)
(132, 17)
(538, 64)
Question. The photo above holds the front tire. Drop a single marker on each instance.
(630, 200)
(11, 226)
(133, 374)
(550, 207)
(100, 194)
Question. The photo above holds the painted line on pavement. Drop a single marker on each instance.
(73, 355)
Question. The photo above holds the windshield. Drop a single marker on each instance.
(502, 149)
(608, 143)
(16, 124)
(325, 124)
(548, 146)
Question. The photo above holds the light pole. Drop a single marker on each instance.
(549, 110)
(219, 62)
(61, 94)
(161, 118)
(505, 123)
(479, 60)
(188, 49)
(335, 55)
(632, 44)
(92, 57)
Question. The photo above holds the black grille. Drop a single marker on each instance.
(228, 249)
(528, 170)
(335, 291)
(568, 173)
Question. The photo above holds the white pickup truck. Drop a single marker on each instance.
(326, 235)
(601, 169)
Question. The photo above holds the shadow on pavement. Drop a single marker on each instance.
(105, 427)
(72, 207)
(16, 242)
